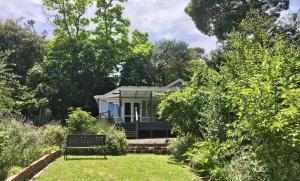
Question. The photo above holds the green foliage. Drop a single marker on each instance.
(262, 88)
(289, 25)
(220, 17)
(159, 64)
(179, 147)
(246, 115)
(198, 110)
(25, 47)
(137, 69)
(6, 78)
(81, 60)
(80, 122)
(116, 139)
(54, 135)
(23, 143)
(169, 60)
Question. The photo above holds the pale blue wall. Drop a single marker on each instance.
(107, 106)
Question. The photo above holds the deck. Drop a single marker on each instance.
(155, 129)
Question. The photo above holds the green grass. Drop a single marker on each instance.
(144, 167)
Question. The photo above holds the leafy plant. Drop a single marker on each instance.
(80, 121)
(116, 139)
(179, 147)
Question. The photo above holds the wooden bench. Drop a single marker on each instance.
(85, 142)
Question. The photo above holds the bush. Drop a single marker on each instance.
(6, 154)
(80, 121)
(179, 147)
(54, 135)
(116, 140)
(207, 158)
(23, 143)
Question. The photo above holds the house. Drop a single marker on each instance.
(134, 109)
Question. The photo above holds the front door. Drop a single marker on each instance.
(127, 112)
(131, 109)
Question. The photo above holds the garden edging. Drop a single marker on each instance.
(34, 168)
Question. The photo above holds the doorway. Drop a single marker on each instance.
(131, 109)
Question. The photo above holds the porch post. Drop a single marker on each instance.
(99, 107)
(136, 122)
(120, 105)
(151, 110)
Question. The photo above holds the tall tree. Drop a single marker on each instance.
(6, 99)
(137, 68)
(219, 17)
(82, 59)
(170, 60)
(111, 32)
(25, 47)
(290, 27)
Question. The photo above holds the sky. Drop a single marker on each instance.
(162, 19)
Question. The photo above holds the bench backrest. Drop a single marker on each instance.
(85, 140)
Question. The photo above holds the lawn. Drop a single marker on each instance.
(143, 167)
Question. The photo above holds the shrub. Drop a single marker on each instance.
(206, 157)
(80, 121)
(6, 154)
(245, 167)
(54, 135)
(179, 147)
(116, 140)
(23, 143)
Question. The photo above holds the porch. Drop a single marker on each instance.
(134, 109)
(158, 129)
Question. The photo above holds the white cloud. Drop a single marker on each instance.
(166, 20)
(162, 19)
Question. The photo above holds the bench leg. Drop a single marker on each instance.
(65, 156)
(104, 153)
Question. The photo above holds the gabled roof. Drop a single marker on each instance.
(141, 90)
(176, 82)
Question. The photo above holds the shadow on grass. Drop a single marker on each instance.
(173, 161)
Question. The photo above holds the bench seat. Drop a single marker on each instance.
(85, 142)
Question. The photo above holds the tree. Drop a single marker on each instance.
(290, 27)
(25, 47)
(247, 111)
(219, 17)
(198, 110)
(6, 99)
(81, 61)
(196, 53)
(137, 68)
(170, 60)
(262, 77)
(111, 33)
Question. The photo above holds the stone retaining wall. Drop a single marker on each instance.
(35, 167)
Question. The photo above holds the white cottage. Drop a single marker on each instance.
(134, 108)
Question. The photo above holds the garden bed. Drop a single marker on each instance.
(35, 167)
